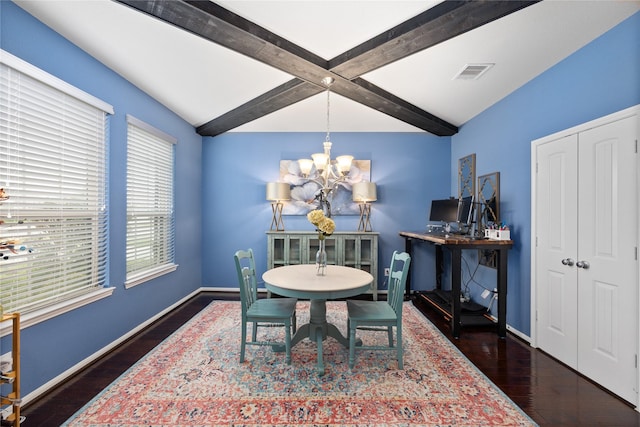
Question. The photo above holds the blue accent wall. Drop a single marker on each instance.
(599, 79)
(410, 169)
(220, 182)
(51, 347)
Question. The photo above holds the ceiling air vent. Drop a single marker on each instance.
(472, 71)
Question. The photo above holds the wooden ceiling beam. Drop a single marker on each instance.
(218, 25)
(440, 23)
(282, 96)
(214, 23)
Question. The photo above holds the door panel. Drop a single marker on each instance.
(606, 325)
(556, 210)
(608, 230)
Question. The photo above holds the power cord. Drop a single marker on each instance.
(472, 279)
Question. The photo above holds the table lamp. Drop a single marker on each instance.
(364, 193)
(276, 193)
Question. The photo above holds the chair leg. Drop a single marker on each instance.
(352, 344)
(390, 335)
(399, 343)
(243, 341)
(254, 332)
(287, 341)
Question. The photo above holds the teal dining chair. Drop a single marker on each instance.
(381, 315)
(265, 312)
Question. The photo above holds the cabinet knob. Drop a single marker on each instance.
(567, 261)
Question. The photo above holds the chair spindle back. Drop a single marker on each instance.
(247, 281)
(399, 271)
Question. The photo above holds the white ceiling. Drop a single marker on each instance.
(200, 81)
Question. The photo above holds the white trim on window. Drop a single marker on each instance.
(150, 250)
(48, 79)
(50, 312)
(54, 168)
(152, 130)
(145, 276)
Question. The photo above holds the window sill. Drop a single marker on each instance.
(145, 276)
(37, 316)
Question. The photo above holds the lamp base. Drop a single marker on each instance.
(276, 220)
(365, 217)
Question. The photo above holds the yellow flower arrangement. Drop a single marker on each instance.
(325, 226)
(315, 217)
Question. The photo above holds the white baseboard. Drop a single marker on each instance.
(522, 336)
(95, 356)
(215, 289)
(514, 331)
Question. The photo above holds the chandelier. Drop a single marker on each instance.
(328, 173)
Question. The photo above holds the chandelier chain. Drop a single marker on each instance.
(327, 138)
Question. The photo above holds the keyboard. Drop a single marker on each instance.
(436, 232)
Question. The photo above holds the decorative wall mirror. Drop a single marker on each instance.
(467, 176)
(488, 209)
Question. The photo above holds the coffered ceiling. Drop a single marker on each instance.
(241, 65)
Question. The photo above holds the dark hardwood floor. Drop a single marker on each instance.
(547, 391)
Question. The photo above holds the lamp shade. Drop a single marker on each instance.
(364, 192)
(278, 191)
(344, 163)
(305, 166)
(320, 160)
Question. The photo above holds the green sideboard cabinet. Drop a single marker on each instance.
(352, 249)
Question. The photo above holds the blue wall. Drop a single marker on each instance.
(599, 79)
(50, 348)
(408, 169)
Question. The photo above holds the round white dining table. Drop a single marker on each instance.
(302, 281)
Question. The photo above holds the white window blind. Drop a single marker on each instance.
(53, 167)
(150, 210)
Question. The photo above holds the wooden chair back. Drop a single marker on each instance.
(246, 270)
(398, 273)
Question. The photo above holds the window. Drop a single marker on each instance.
(150, 213)
(53, 168)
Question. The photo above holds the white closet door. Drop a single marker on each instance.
(556, 213)
(607, 235)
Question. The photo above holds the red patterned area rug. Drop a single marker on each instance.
(194, 378)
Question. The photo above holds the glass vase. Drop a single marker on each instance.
(321, 258)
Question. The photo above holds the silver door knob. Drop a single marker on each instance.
(582, 264)
(567, 261)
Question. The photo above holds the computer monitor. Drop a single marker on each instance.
(465, 211)
(445, 210)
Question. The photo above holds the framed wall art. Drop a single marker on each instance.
(305, 189)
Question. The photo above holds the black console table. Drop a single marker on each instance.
(456, 244)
